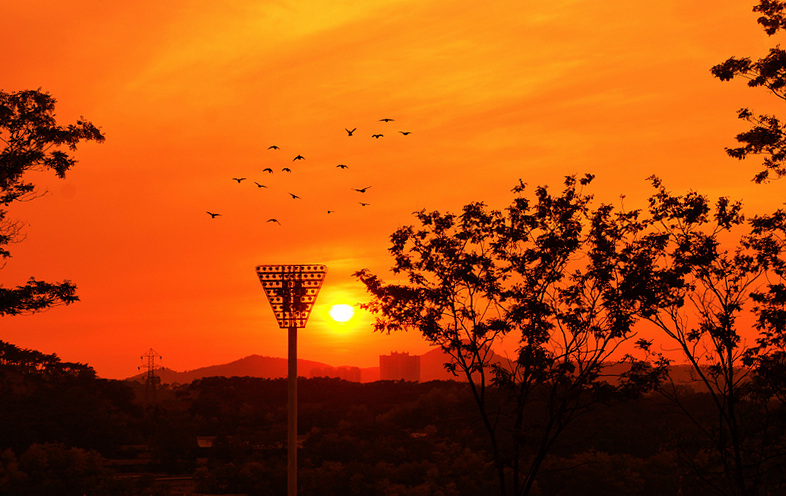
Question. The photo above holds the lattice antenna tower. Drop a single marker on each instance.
(149, 363)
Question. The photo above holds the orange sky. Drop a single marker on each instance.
(191, 93)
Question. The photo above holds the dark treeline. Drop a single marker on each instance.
(74, 433)
(47, 400)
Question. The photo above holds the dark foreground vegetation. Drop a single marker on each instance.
(64, 431)
(565, 277)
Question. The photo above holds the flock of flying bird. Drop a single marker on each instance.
(269, 170)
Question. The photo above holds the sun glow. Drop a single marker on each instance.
(341, 312)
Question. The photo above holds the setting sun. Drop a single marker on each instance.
(414, 212)
(253, 85)
(341, 313)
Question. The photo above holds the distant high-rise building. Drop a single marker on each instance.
(399, 366)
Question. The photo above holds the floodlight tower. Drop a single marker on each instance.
(150, 381)
(291, 291)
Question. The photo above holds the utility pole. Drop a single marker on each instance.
(291, 291)
(150, 380)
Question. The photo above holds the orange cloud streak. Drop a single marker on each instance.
(192, 94)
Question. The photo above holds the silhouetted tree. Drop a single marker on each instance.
(48, 400)
(712, 275)
(567, 280)
(33, 362)
(51, 468)
(33, 141)
(767, 135)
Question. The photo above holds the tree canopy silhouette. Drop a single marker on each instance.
(568, 281)
(33, 141)
(767, 136)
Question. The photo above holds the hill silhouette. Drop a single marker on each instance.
(251, 366)
(431, 369)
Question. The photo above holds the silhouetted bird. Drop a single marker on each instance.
(299, 157)
(294, 196)
(286, 169)
(364, 204)
(349, 133)
(212, 215)
(405, 132)
(331, 211)
(377, 136)
(342, 166)
(260, 185)
(272, 147)
(274, 220)
(386, 119)
(239, 179)
(361, 190)
(267, 169)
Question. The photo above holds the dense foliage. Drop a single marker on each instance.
(767, 136)
(563, 278)
(31, 140)
(397, 438)
(568, 280)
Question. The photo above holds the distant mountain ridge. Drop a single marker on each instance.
(252, 366)
(431, 368)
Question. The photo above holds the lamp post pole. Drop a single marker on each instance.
(292, 414)
(291, 291)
